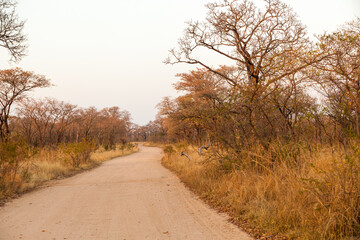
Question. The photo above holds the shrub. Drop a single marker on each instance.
(168, 150)
(122, 148)
(78, 152)
(130, 146)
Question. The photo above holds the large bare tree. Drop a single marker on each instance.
(265, 45)
(11, 30)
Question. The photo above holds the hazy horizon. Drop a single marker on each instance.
(111, 54)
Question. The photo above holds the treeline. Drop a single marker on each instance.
(49, 122)
(283, 87)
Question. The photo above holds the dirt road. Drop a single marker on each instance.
(132, 197)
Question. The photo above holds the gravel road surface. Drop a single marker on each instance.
(132, 197)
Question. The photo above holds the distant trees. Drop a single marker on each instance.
(11, 36)
(114, 126)
(14, 85)
(45, 121)
(153, 131)
(89, 118)
(50, 122)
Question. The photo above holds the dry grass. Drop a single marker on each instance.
(153, 144)
(315, 197)
(50, 164)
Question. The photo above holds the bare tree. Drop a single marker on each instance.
(38, 119)
(339, 74)
(11, 35)
(87, 121)
(114, 126)
(14, 84)
(64, 114)
(49, 119)
(266, 46)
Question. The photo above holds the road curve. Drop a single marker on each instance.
(132, 197)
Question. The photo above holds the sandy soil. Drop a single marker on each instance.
(132, 197)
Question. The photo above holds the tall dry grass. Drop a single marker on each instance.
(300, 191)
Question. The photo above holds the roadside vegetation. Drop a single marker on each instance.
(315, 198)
(280, 119)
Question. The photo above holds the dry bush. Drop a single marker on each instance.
(306, 194)
(168, 151)
(78, 152)
(13, 158)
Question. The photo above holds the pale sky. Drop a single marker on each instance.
(110, 52)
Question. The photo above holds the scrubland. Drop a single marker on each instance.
(294, 191)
